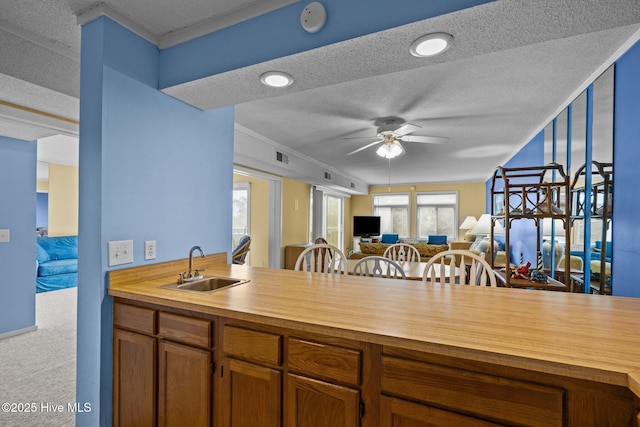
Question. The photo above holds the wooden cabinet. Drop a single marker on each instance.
(251, 395)
(493, 398)
(184, 379)
(173, 368)
(134, 379)
(403, 413)
(323, 386)
(162, 370)
(291, 254)
(314, 403)
(251, 378)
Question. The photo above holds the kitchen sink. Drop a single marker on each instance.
(205, 285)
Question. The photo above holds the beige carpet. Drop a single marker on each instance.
(38, 369)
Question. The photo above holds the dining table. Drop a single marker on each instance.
(413, 270)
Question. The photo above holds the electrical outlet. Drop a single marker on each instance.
(120, 252)
(5, 235)
(149, 250)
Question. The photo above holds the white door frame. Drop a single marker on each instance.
(275, 212)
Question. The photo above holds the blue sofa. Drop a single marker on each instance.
(57, 263)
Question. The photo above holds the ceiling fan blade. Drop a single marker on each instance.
(424, 139)
(365, 147)
(405, 129)
(358, 137)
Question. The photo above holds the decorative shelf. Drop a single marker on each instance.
(530, 193)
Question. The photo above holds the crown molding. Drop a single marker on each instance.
(102, 9)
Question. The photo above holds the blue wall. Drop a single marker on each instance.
(151, 168)
(626, 158)
(18, 214)
(279, 34)
(626, 161)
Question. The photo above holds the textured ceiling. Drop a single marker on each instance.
(512, 66)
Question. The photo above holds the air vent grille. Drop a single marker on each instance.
(352, 185)
(327, 176)
(282, 158)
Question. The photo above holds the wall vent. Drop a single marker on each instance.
(352, 185)
(327, 175)
(282, 158)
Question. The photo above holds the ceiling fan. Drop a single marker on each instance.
(391, 131)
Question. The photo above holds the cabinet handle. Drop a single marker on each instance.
(361, 409)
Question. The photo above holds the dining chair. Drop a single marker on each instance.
(378, 266)
(322, 258)
(402, 252)
(473, 269)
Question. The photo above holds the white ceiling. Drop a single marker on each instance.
(513, 65)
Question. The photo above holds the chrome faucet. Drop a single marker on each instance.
(190, 276)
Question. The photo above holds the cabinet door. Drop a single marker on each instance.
(134, 379)
(402, 413)
(251, 395)
(313, 403)
(184, 389)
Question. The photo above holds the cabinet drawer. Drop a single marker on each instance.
(501, 399)
(325, 361)
(252, 345)
(139, 319)
(187, 330)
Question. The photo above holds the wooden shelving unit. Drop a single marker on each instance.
(531, 193)
(599, 208)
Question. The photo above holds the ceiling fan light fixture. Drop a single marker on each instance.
(276, 79)
(390, 150)
(431, 44)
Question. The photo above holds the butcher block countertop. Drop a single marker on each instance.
(589, 337)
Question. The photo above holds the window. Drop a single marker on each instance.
(241, 210)
(437, 213)
(393, 210)
(332, 220)
(326, 217)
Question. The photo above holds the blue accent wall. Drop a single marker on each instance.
(18, 214)
(152, 168)
(279, 33)
(626, 158)
(626, 161)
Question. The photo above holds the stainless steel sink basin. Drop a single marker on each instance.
(206, 285)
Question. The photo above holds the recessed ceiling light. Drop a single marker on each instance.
(276, 79)
(431, 44)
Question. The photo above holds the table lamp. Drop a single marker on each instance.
(468, 223)
(482, 231)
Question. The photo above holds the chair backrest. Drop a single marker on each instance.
(322, 258)
(239, 254)
(402, 252)
(472, 270)
(378, 266)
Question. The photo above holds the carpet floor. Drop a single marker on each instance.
(38, 369)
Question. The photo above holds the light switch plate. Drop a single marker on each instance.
(5, 235)
(120, 252)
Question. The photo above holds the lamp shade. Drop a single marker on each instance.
(484, 226)
(468, 223)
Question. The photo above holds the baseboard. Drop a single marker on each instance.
(18, 332)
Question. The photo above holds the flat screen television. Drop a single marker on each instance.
(366, 226)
